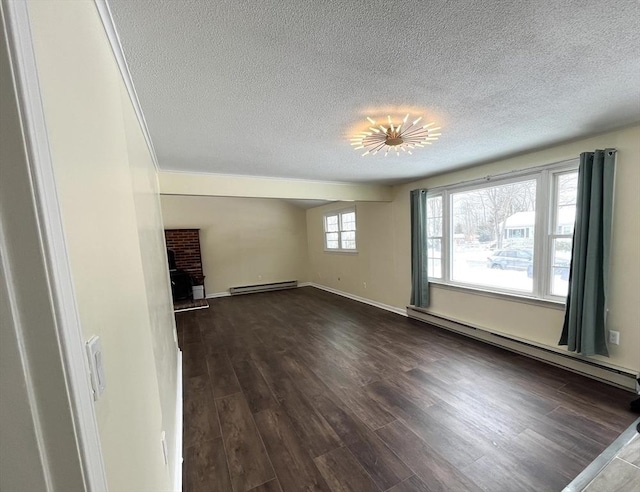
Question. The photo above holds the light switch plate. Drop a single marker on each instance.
(96, 366)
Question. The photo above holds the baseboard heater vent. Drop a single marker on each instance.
(252, 289)
(612, 375)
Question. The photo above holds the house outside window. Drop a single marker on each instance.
(340, 231)
(510, 234)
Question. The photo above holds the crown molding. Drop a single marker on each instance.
(114, 41)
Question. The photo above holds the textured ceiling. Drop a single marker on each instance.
(273, 88)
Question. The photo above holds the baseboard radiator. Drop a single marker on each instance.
(613, 375)
(252, 289)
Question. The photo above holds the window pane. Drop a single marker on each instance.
(434, 252)
(331, 223)
(561, 261)
(492, 239)
(434, 227)
(331, 240)
(348, 221)
(348, 226)
(434, 216)
(567, 193)
(348, 239)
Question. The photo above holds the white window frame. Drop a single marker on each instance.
(339, 214)
(546, 200)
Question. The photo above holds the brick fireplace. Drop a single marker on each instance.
(185, 243)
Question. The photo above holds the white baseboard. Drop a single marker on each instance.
(190, 309)
(177, 477)
(364, 300)
(305, 284)
(217, 294)
(601, 371)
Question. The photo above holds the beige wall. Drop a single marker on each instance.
(244, 241)
(383, 260)
(111, 218)
(37, 441)
(146, 199)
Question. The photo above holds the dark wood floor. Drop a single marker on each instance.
(304, 390)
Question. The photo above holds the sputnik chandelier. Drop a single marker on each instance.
(389, 137)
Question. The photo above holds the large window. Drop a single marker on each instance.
(507, 234)
(340, 231)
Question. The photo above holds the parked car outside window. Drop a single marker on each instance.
(522, 259)
(510, 259)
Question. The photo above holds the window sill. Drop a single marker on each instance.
(535, 301)
(342, 251)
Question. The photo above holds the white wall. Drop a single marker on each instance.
(243, 241)
(110, 208)
(383, 260)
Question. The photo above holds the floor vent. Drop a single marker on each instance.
(251, 289)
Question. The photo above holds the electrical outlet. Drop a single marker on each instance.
(259, 277)
(614, 337)
(364, 284)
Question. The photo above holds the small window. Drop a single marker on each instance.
(340, 231)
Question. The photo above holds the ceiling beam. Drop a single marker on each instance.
(176, 183)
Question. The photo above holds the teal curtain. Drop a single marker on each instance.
(583, 330)
(419, 277)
